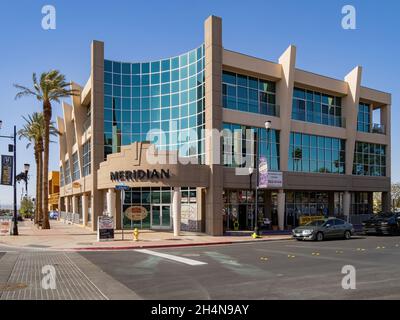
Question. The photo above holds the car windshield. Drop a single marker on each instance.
(316, 223)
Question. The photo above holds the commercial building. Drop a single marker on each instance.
(324, 154)
(54, 190)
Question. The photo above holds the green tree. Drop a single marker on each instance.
(27, 207)
(395, 195)
(33, 131)
(50, 88)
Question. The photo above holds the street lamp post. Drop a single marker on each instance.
(14, 138)
(24, 176)
(267, 125)
(251, 171)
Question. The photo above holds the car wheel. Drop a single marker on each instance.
(347, 234)
(319, 236)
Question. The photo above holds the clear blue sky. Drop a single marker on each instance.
(145, 30)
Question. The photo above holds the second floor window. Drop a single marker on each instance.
(317, 107)
(86, 170)
(75, 167)
(248, 94)
(67, 172)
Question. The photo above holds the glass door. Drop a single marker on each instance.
(161, 216)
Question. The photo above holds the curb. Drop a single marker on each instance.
(161, 246)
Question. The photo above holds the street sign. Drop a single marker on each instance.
(120, 187)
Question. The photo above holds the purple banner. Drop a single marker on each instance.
(263, 173)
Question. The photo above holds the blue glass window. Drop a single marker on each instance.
(318, 154)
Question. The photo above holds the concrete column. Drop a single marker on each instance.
(285, 93)
(85, 208)
(346, 204)
(386, 201)
(281, 210)
(350, 107)
(67, 208)
(176, 210)
(97, 119)
(213, 122)
(75, 204)
(111, 204)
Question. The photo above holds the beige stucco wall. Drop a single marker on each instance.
(134, 157)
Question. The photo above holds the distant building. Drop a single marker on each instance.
(54, 190)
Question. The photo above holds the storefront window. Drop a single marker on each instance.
(239, 209)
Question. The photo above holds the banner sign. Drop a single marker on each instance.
(105, 228)
(263, 173)
(275, 180)
(7, 163)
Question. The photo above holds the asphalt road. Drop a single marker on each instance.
(266, 270)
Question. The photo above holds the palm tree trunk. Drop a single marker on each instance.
(40, 193)
(37, 186)
(47, 119)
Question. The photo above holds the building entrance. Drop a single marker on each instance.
(161, 217)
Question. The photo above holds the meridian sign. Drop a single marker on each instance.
(135, 175)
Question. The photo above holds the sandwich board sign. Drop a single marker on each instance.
(5, 227)
(105, 228)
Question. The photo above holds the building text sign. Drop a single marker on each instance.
(136, 175)
(275, 180)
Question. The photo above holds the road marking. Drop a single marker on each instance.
(190, 262)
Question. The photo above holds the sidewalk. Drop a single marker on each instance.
(66, 237)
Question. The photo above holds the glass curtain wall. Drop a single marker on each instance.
(318, 154)
(238, 146)
(369, 159)
(249, 94)
(165, 95)
(317, 107)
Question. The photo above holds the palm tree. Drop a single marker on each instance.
(33, 131)
(51, 88)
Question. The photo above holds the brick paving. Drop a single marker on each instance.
(25, 278)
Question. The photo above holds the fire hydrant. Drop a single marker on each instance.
(136, 234)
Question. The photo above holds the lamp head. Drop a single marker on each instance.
(1, 124)
(268, 125)
(26, 167)
(251, 170)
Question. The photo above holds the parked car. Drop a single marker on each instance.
(324, 229)
(53, 215)
(383, 223)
